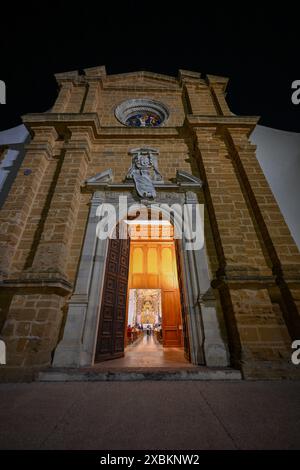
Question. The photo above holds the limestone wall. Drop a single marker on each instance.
(253, 260)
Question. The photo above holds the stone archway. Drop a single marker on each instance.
(207, 344)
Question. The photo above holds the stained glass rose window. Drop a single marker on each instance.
(144, 120)
(141, 113)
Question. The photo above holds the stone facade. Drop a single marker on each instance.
(253, 261)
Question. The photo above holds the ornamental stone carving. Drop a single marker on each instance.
(144, 171)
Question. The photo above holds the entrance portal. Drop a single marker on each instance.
(97, 313)
(151, 305)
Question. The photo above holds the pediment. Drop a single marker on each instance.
(103, 177)
(140, 80)
(185, 177)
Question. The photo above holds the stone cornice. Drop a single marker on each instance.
(142, 87)
(95, 72)
(38, 148)
(63, 121)
(248, 122)
(72, 75)
(92, 187)
(104, 181)
(243, 280)
(137, 132)
(79, 147)
(60, 286)
(141, 74)
(215, 80)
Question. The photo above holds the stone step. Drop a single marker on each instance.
(136, 374)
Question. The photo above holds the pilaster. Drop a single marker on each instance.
(255, 324)
(52, 253)
(63, 98)
(17, 207)
(279, 246)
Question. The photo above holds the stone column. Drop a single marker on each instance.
(282, 252)
(80, 332)
(52, 253)
(217, 86)
(32, 328)
(91, 102)
(238, 247)
(63, 98)
(205, 324)
(255, 326)
(197, 94)
(68, 352)
(18, 204)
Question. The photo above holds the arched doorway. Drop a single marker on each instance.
(205, 342)
(141, 295)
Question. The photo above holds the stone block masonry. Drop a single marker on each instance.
(253, 261)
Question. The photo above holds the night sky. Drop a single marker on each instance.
(256, 47)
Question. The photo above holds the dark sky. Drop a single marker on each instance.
(257, 47)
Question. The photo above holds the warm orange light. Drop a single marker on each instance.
(166, 260)
(159, 229)
(152, 264)
(137, 260)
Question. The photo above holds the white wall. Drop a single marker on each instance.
(14, 139)
(278, 153)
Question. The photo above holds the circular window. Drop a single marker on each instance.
(141, 113)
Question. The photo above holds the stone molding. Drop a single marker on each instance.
(248, 122)
(103, 181)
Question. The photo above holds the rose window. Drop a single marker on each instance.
(141, 113)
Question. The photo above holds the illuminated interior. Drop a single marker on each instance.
(153, 281)
(144, 308)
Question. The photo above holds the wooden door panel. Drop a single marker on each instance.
(170, 313)
(171, 336)
(168, 281)
(171, 319)
(152, 281)
(138, 281)
(110, 340)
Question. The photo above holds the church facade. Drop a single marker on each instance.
(137, 144)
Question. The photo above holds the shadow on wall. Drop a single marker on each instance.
(12, 151)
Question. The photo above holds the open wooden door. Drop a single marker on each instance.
(110, 340)
(183, 302)
(172, 324)
(172, 327)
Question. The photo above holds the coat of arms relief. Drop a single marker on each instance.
(144, 171)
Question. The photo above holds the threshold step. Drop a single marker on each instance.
(97, 374)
